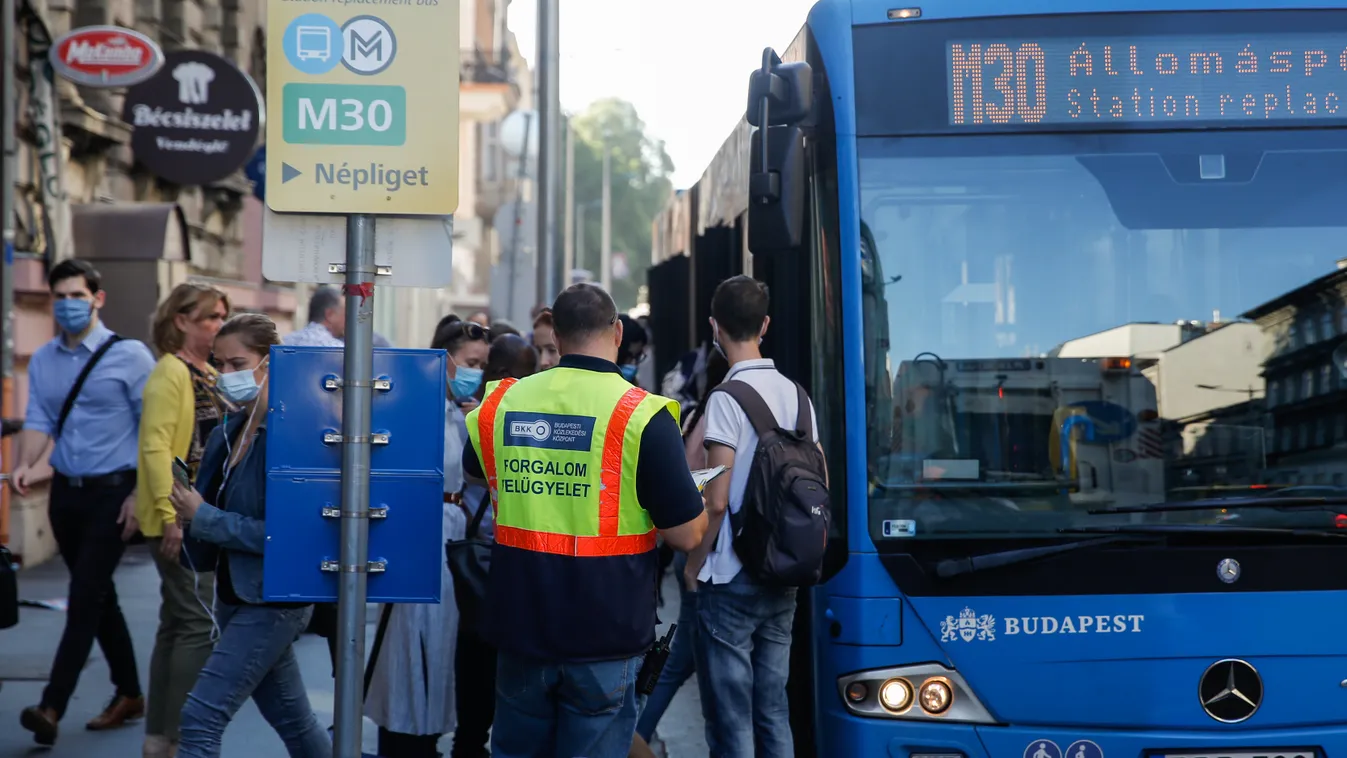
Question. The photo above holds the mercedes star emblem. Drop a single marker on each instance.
(1230, 691)
(1228, 570)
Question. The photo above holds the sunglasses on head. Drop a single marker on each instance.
(475, 331)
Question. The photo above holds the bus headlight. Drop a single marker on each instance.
(938, 694)
(895, 695)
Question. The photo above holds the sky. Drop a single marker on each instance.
(684, 65)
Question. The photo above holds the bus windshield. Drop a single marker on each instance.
(1058, 323)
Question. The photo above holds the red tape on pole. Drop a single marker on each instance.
(362, 290)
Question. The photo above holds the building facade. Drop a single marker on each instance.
(1306, 417)
(147, 235)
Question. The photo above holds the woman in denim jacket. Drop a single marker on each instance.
(224, 520)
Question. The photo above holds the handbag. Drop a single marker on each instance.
(9, 590)
(469, 562)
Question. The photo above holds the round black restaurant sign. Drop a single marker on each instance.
(196, 121)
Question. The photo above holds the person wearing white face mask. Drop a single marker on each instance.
(468, 345)
(224, 523)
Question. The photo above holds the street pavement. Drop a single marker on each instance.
(26, 652)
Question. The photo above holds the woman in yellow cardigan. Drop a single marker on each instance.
(181, 406)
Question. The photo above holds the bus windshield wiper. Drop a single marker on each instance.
(1162, 529)
(1116, 533)
(952, 567)
(1213, 503)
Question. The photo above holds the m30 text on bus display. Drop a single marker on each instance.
(1148, 79)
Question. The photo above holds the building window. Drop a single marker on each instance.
(1292, 336)
(1326, 325)
(1304, 436)
(1311, 334)
(1325, 378)
(1307, 385)
(1320, 433)
(1285, 445)
(1273, 388)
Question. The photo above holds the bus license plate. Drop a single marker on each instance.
(1267, 753)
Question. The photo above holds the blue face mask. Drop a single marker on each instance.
(238, 387)
(73, 315)
(628, 371)
(465, 382)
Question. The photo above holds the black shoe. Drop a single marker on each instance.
(41, 722)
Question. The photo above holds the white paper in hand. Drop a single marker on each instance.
(704, 475)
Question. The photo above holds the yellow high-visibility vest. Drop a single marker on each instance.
(559, 451)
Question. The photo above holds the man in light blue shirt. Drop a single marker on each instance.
(93, 490)
(327, 322)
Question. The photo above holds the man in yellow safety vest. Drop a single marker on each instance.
(584, 471)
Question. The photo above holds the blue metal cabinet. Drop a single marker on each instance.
(406, 539)
(306, 409)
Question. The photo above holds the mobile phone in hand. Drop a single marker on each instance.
(180, 473)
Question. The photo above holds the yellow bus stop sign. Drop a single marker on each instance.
(363, 100)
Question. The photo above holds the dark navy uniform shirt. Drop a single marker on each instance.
(562, 608)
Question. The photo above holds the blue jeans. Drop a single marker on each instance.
(564, 710)
(682, 662)
(743, 650)
(253, 658)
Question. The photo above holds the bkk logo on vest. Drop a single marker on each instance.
(549, 431)
(539, 430)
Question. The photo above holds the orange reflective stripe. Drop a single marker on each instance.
(567, 544)
(486, 434)
(610, 481)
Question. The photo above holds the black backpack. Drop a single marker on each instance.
(781, 529)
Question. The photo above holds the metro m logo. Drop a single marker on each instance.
(368, 45)
(363, 48)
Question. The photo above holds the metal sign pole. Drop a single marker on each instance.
(549, 108)
(357, 393)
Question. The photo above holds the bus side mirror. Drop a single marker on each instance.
(780, 96)
(776, 189)
(788, 89)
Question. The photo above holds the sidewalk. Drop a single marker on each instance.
(27, 649)
(26, 652)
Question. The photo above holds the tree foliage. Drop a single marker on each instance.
(641, 187)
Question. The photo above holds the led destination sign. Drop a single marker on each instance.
(1148, 79)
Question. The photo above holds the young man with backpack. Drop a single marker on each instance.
(766, 535)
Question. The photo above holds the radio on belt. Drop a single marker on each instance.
(304, 452)
(654, 662)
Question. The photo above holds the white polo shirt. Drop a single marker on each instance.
(727, 424)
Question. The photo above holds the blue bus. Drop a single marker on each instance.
(1049, 268)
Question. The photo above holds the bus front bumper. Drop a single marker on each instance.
(847, 735)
